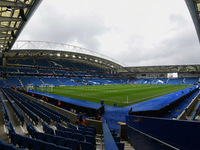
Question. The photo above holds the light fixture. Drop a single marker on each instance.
(9, 9)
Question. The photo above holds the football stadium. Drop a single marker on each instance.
(57, 96)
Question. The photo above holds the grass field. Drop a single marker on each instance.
(116, 93)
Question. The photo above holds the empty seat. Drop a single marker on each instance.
(60, 141)
(82, 129)
(120, 146)
(73, 144)
(63, 148)
(116, 138)
(79, 131)
(26, 142)
(50, 138)
(68, 135)
(16, 139)
(51, 131)
(40, 136)
(58, 126)
(8, 147)
(89, 133)
(69, 129)
(90, 139)
(79, 137)
(59, 133)
(49, 146)
(37, 144)
(91, 130)
(86, 146)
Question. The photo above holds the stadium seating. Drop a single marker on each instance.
(5, 113)
(43, 111)
(16, 110)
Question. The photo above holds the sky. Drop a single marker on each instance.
(133, 32)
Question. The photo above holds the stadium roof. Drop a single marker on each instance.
(194, 8)
(165, 69)
(42, 49)
(14, 14)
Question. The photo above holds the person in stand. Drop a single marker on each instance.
(81, 120)
(98, 117)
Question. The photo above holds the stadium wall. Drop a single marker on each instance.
(157, 133)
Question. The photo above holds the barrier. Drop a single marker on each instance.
(108, 138)
(158, 133)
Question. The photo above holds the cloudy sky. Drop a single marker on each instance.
(134, 32)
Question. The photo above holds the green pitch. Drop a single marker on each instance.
(116, 94)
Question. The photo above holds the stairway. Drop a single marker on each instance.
(21, 82)
(42, 81)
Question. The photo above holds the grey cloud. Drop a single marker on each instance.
(57, 27)
(183, 48)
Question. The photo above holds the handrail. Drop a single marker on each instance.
(108, 138)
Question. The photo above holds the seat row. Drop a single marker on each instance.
(47, 128)
(81, 129)
(117, 140)
(10, 127)
(27, 104)
(34, 144)
(47, 111)
(5, 146)
(196, 112)
(109, 138)
(16, 110)
(25, 109)
(5, 113)
(50, 114)
(63, 117)
(59, 140)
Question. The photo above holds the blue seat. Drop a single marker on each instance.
(1, 144)
(63, 148)
(11, 127)
(86, 146)
(60, 141)
(50, 138)
(114, 134)
(37, 144)
(62, 128)
(40, 136)
(8, 147)
(58, 126)
(82, 129)
(32, 132)
(66, 119)
(16, 139)
(79, 137)
(69, 129)
(44, 127)
(49, 146)
(116, 138)
(89, 133)
(68, 135)
(120, 146)
(92, 127)
(59, 133)
(91, 130)
(26, 142)
(82, 125)
(90, 139)
(73, 144)
(51, 131)
(79, 131)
